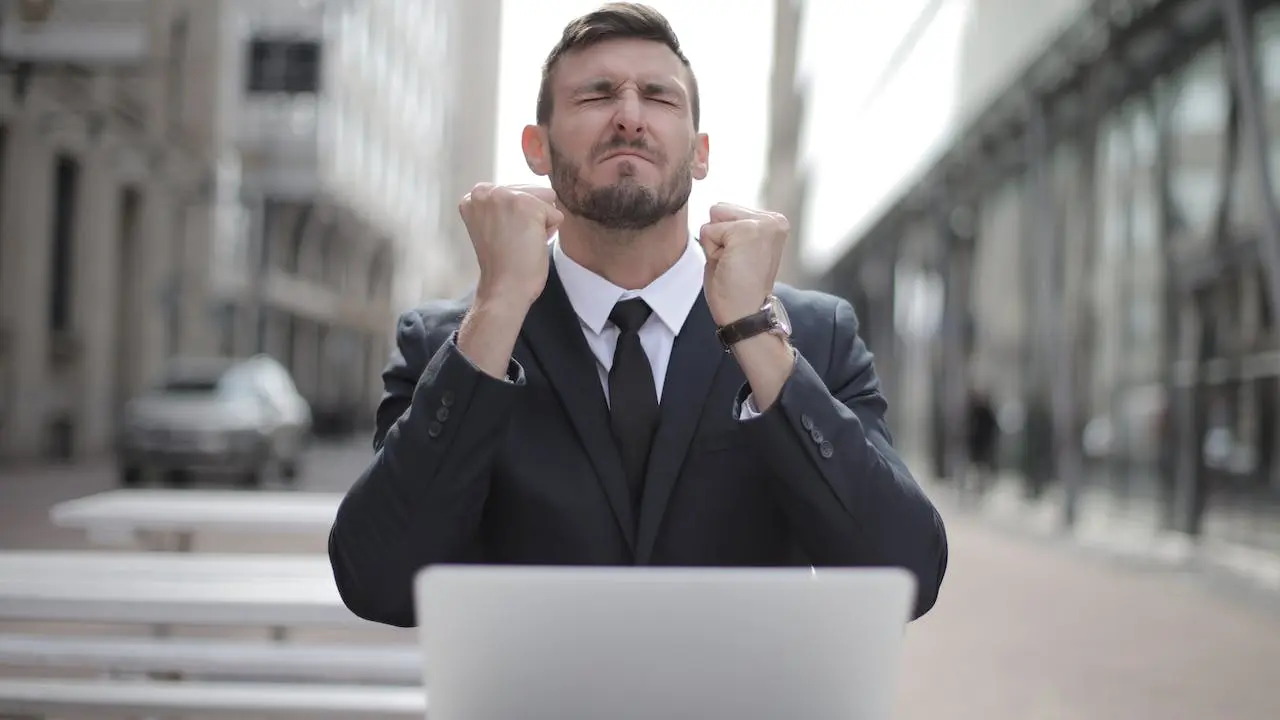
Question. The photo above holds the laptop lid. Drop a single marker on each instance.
(587, 643)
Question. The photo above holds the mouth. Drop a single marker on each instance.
(627, 153)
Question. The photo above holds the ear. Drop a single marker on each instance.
(701, 156)
(537, 149)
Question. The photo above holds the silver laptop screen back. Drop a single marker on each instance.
(624, 643)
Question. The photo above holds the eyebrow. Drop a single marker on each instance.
(657, 88)
(604, 85)
(595, 86)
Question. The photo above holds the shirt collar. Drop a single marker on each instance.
(671, 295)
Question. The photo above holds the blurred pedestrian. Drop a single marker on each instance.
(983, 440)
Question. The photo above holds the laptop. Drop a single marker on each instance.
(593, 643)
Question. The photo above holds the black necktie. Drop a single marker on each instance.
(633, 401)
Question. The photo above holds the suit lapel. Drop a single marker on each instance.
(554, 336)
(691, 373)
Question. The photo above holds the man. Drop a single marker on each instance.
(581, 408)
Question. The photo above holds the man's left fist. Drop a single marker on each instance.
(743, 249)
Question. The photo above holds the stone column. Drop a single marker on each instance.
(305, 358)
(27, 207)
(95, 296)
(149, 330)
(278, 330)
(196, 222)
(263, 221)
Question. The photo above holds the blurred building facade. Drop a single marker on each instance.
(785, 178)
(201, 177)
(1091, 239)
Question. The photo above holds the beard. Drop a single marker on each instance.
(626, 204)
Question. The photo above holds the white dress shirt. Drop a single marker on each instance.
(671, 296)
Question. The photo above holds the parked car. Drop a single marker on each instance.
(242, 418)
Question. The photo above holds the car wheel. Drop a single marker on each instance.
(251, 479)
(177, 479)
(130, 476)
(291, 471)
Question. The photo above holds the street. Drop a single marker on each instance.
(1025, 628)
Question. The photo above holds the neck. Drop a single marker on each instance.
(630, 259)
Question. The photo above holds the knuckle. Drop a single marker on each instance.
(526, 202)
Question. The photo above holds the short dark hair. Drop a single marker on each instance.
(611, 21)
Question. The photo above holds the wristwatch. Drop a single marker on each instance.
(772, 318)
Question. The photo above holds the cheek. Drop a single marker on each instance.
(676, 142)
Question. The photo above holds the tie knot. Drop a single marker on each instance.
(629, 315)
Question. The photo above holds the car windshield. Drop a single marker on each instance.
(234, 382)
(237, 383)
(190, 385)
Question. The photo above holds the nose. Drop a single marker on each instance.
(629, 120)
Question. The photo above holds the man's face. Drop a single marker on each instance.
(621, 149)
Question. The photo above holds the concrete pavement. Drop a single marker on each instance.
(1030, 629)
(1025, 629)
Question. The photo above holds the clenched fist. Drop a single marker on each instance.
(509, 228)
(743, 248)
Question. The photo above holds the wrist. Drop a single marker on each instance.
(487, 335)
(502, 303)
(765, 345)
(767, 361)
(733, 313)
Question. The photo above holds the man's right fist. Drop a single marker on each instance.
(509, 227)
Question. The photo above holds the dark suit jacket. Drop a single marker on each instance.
(473, 469)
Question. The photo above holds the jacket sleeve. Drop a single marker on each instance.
(439, 426)
(846, 492)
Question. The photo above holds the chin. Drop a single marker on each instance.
(638, 180)
(630, 167)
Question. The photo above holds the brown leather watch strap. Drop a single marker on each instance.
(754, 324)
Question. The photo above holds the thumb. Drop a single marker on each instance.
(712, 237)
(709, 248)
(554, 217)
(715, 233)
(709, 268)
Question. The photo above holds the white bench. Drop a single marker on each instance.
(173, 516)
(207, 700)
(223, 659)
(170, 588)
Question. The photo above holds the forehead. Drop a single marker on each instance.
(620, 60)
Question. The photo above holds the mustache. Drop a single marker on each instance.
(618, 142)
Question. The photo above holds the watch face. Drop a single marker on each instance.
(780, 316)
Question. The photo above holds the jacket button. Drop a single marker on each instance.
(816, 435)
(442, 413)
(435, 429)
(447, 398)
(806, 422)
(826, 450)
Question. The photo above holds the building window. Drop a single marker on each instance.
(66, 182)
(4, 150)
(284, 66)
(1200, 104)
(1267, 32)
